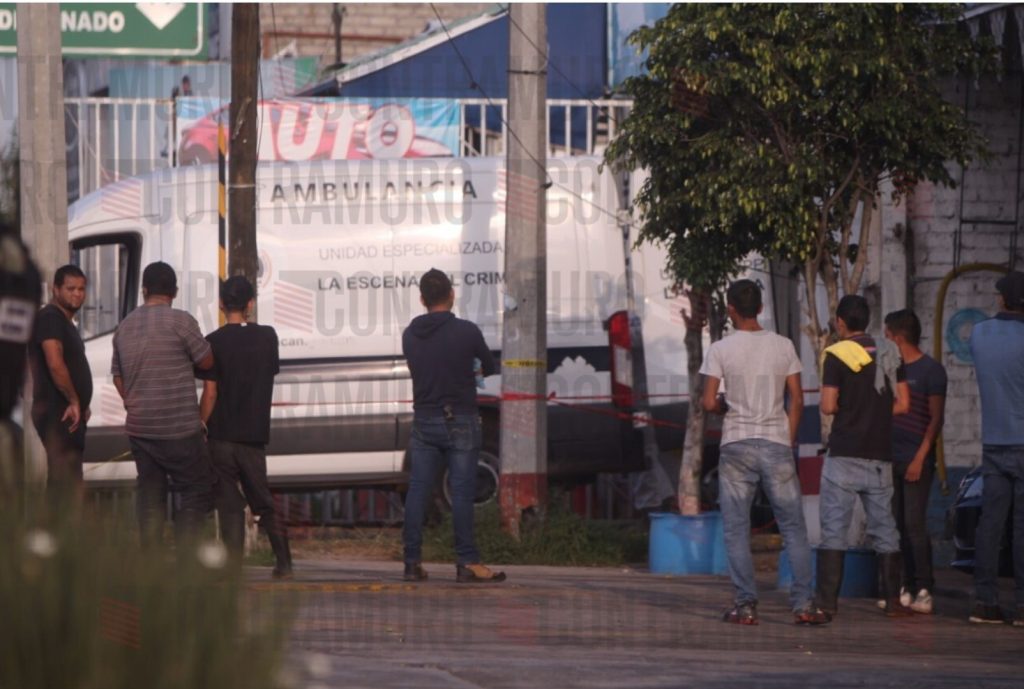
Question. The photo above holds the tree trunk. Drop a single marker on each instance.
(844, 279)
(819, 336)
(693, 443)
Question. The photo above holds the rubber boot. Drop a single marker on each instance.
(891, 567)
(278, 537)
(829, 579)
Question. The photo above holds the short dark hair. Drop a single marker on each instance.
(435, 287)
(745, 297)
(854, 311)
(64, 272)
(906, 323)
(159, 278)
(236, 292)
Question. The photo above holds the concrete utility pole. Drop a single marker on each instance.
(44, 168)
(524, 434)
(243, 137)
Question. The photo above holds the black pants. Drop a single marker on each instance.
(186, 463)
(910, 507)
(246, 465)
(63, 448)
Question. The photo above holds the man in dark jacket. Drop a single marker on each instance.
(440, 350)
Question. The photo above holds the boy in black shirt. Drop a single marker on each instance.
(62, 380)
(858, 382)
(236, 410)
(913, 457)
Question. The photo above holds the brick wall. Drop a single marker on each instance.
(933, 217)
(378, 25)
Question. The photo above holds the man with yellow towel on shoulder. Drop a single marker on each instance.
(863, 386)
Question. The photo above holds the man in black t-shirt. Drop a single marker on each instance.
(62, 389)
(235, 407)
(858, 382)
(913, 457)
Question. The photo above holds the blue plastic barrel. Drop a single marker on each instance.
(860, 573)
(687, 545)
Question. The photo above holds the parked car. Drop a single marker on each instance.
(962, 522)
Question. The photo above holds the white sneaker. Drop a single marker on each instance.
(905, 599)
(922, 602)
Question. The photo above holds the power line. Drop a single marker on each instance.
(473, 84)
(553, 66)
(477, 87)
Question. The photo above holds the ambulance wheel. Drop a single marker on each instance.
(487, 479)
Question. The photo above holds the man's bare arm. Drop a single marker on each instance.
(901, 403)
(937, 410)
(829, 400)
(796, 404)
(53, 350)
(208, 400)
(710, 399)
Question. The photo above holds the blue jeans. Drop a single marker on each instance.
(741, 466)
(436, 443)
(843, 480)
(1002, 467)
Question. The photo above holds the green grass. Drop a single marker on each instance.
(83, 607)
(562, 539)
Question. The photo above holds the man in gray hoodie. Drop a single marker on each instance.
(440, 350)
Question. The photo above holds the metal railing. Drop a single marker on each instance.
(109, 139)
(575, 127)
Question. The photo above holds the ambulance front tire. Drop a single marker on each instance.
(488, 477)
(487, 482)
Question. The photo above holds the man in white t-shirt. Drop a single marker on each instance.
(757, 369)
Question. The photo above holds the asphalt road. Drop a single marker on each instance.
(358, 625)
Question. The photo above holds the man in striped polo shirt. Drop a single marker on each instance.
(156, 350)
(913, 457)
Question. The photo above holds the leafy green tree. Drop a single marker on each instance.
(774, 127)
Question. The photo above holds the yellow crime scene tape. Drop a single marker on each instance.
(524, 363)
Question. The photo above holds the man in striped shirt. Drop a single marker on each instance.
(913, 457)
(156, 350)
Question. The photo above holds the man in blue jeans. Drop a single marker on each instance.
(863, 384)
(758, 368)
(997, 346)
(440, 350)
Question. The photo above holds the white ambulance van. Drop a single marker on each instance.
(341, 246)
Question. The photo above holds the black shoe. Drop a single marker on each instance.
(1018, 620)
(414, 572)
(477, 574)
(986, 614)
(745, 613)
(282, 571)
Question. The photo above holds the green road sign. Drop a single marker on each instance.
(111, 29)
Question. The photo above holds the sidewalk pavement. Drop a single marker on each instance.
(359, 625)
